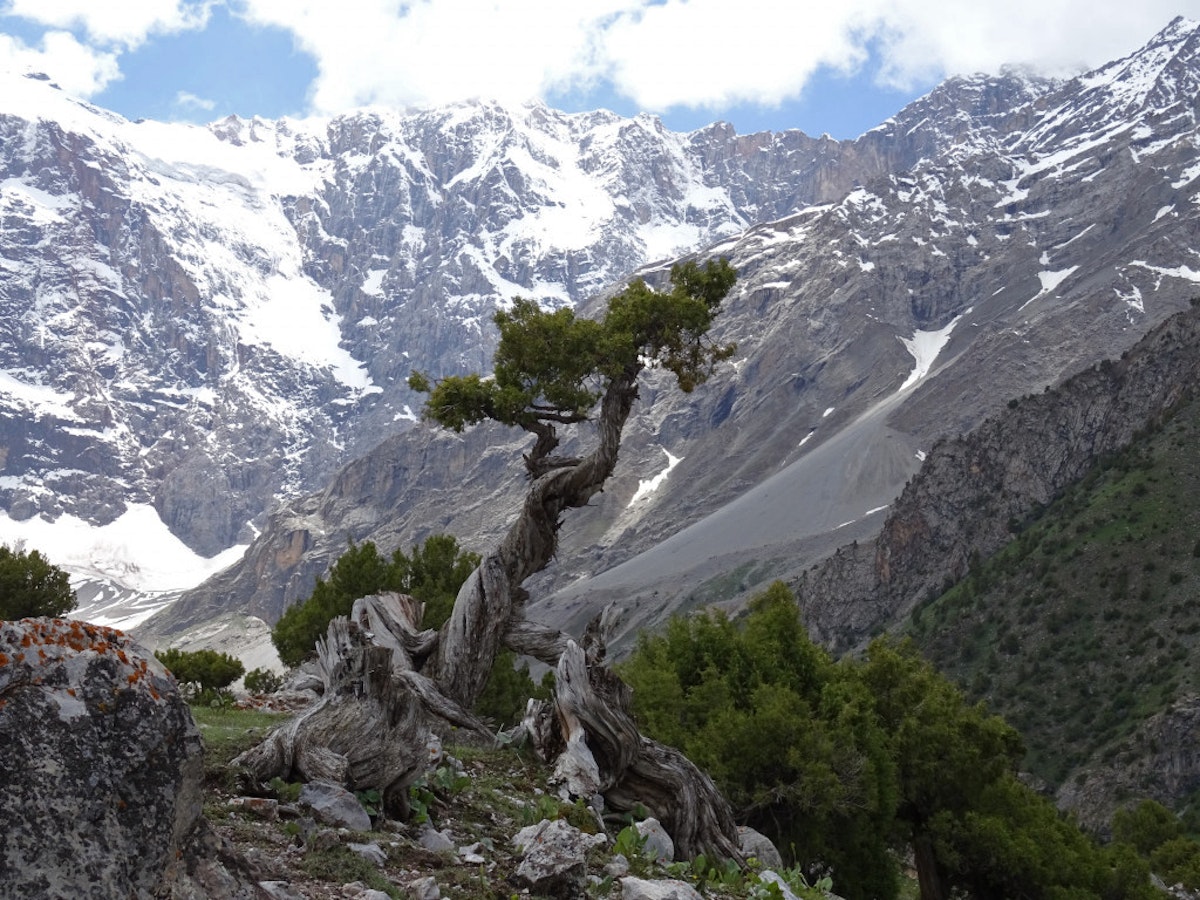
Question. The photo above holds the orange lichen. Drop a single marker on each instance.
(3, 659)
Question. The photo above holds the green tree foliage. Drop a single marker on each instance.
(31, 586)
(552, 367)
(788, 740)
(1145, 827)
(211, 670)
(262, 681)
(1156, 834)
(842, 761)
(433, 574)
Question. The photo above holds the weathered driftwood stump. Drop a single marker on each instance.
(374, 727)
(588, 733)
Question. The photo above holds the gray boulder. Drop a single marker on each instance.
(659, 845)
(665, 889)
(334, 805)
(555, 862)
(757, 845)
(100, 773)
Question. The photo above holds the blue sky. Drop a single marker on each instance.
(760, 64)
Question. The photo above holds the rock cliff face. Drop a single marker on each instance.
(974, 491)
(997, 237)
(200, 321)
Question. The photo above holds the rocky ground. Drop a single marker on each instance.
(485, 825)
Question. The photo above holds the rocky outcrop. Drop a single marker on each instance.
(1161, 762)
(100, 772)
(973, 492)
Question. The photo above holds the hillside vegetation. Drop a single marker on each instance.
(1087, 623)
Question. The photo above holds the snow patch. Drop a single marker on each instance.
(925, 347)
(648, 486)
(136, 551)
(1050, 282)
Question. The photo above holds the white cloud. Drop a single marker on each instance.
(75, 67)
(435, 51)
(700, 53)
(192, 101)
(127, 23)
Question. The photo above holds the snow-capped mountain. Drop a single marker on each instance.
(199, 321)
(204, 321)
(1001, 234)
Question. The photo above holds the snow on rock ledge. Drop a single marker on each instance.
(100, 771)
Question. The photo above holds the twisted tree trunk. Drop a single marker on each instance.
(389, 685)
(489, 607)
(588, 733)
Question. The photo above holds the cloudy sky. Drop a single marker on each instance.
(836, 66)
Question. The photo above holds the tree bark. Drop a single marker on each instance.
(590, 735)
(490, 604)
(374, 727)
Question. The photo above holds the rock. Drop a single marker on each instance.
(555, 862)
(334, 805)
(371, 852)
(372, 894)
(472, 854)
(424, 889)
(666, 889)
(279, 890)
(433, 840)
(260, 807)
(100, 772)
(659, 845)
(769, 877)
(756, 845)
(617, 867)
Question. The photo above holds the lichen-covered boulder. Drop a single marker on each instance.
(100, 770)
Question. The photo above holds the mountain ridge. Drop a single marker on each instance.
(1029, 248)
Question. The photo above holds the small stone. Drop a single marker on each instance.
(323, 839)
(757, 845)
(424, 889)
(372, 853)
(769, 877)
(434, 841)
(617, 867)
(659, 845)
(665, 889)
(279, 890)
(263, 808)
(334, 805)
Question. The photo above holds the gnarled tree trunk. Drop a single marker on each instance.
(374, 727)
(389, 685)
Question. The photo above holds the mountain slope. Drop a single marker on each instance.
(1044, 227)
(200, 321)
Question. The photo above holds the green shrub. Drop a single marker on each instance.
(31, 586)
(262, 681)
(211, 671)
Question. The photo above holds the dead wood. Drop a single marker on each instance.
(588, 733)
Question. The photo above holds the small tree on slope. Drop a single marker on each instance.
(552, 369)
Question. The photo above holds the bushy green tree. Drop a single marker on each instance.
(1145, 827)
(31, 586)
(1157, 834)
(841, 762)
(790, 742)
(262, 681)
(212, 670)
